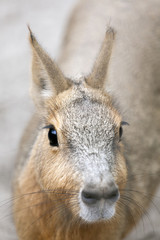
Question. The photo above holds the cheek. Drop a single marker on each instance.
(58, 176)
(55, 169)
(121, 172)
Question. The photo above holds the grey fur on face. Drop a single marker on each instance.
(91, 148)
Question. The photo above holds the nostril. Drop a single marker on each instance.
(113, 195)
(90, 197)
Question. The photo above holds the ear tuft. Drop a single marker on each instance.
(31, 36)
(34, 43)
(111, 32)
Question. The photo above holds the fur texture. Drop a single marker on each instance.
(50, 180)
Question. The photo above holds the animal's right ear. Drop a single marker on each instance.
(47, 78)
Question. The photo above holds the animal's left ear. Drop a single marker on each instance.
(98, 75)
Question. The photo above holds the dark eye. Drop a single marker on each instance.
(52, 136)
(120, 133)
(121, 129)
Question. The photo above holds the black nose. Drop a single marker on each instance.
(91, 196)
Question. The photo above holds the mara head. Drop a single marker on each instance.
(78, 150)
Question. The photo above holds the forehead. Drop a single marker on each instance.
(87, 116)
(87, 112)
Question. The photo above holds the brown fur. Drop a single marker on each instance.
(46, 184)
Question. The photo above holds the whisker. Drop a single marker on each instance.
(138, 176)
(58, 207)
(38, 192)
(142, 210)
(138, 212)
(130, 212)
(146, 196)
(31, 206)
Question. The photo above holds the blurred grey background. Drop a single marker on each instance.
(48, 20)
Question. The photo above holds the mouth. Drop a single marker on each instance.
(99, 211)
